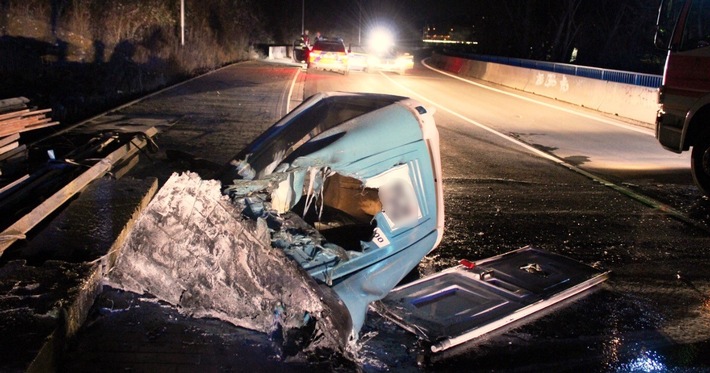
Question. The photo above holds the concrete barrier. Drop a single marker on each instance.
(509, 76)
(278, 52)
(579, 91)
(624, 100)
(474, 69)
(630, 101)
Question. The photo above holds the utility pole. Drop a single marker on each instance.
(359, 22)
(182, 22)
(303, 16)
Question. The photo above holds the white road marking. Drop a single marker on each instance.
(477, 124)
(290, 90)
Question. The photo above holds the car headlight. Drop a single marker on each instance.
(381, 39)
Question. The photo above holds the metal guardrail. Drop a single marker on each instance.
(618, 76)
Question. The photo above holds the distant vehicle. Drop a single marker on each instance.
(361, 59)
(392, 61)
(358, 58)
(683, 119)
(383, 53)
(329, 54)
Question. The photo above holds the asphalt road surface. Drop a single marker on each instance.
(518, 170)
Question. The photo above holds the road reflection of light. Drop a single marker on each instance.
(611, 351)
(649, 361)
(648, 164)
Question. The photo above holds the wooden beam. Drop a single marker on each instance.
(24, 127)
(23, 113)
(9, 139)
(23, 120)
(22, 226)
(14, 114)
(8, 147)
(13, 184)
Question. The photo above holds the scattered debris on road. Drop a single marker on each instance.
(322, 215)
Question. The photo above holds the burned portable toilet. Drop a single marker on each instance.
(350, 184)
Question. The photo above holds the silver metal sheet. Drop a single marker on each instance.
(467, 301)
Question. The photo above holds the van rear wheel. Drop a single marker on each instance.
(700, 164)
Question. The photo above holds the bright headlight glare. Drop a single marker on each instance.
(381, 40)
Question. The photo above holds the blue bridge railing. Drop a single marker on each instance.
(644, 80)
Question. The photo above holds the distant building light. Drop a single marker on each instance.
(447, 41)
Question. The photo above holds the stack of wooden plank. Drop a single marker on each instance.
(16, 117)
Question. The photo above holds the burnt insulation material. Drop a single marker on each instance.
(191, 248)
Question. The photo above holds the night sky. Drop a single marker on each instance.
(406, 17)
(614, 34)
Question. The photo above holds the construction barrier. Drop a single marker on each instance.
(278, 52)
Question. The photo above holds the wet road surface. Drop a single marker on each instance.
(653, 314)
